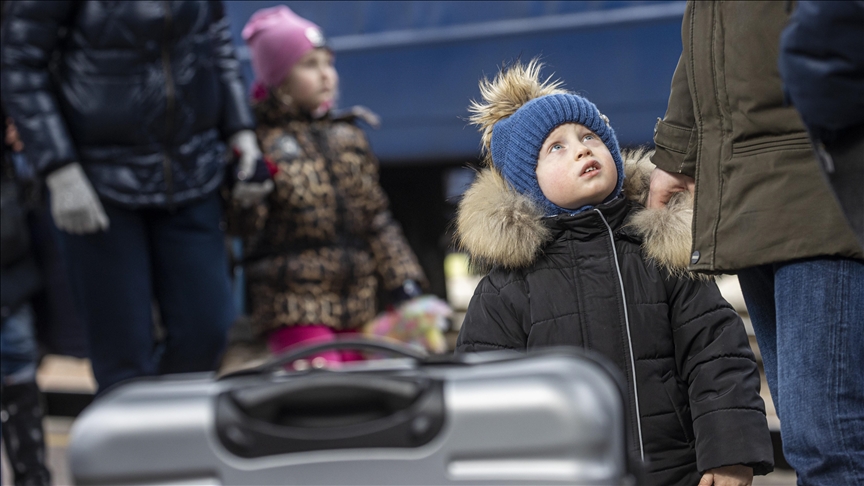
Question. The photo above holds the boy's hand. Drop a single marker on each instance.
(728, 476)
(664, 184)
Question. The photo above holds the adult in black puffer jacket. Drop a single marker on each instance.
(611, 278)
(125, 108)
(141, 96)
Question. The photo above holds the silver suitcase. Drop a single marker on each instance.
(550, 417)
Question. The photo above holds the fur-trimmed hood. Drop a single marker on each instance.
(498, 226)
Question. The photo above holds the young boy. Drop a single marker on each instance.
(577, 261)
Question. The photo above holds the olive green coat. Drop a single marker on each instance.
(760, 194)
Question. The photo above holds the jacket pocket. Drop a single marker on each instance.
(680, 403)
(795, 141)
(673, 138)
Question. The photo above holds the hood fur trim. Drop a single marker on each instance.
(502, 96)
(498, 226)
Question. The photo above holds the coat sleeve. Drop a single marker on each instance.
(236, 113)
(30, 35)
(675, 134)
(395, 260)
(713, 356)
(822, 64)
(494, 318)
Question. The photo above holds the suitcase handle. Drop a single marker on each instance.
(326, 411)
(264, 403)
(358, 344)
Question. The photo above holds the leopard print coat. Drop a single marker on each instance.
(316, 250)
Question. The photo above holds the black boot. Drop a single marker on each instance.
(22, 434)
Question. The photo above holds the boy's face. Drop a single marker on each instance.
(575, 168)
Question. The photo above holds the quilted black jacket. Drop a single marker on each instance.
(141, 93)
(681, 346)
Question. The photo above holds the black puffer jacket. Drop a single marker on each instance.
(682, 347)
(141, 93)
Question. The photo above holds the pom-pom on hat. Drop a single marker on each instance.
(516, 141)
(277, 39)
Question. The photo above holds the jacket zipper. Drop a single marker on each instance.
(169, 109)
(627, 327)
(341, 227)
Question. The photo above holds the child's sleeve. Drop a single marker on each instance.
(394, 258)
(244, 220)
(713, 355)
(494, 318)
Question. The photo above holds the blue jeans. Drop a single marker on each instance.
(808, 316)
(18, 352)
(176, 258)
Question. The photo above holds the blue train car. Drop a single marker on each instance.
(417, 63)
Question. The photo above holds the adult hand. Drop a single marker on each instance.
(728, 476)
(245, 144)
(75, 206)
(664, 185)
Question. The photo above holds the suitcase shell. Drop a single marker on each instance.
(551, 417)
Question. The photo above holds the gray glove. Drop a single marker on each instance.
(75, 206)
(248, 193)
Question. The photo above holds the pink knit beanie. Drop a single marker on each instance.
(277, 39)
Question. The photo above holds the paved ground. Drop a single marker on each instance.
(782, 477)
(57, 430)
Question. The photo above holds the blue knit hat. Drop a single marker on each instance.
(517, 139)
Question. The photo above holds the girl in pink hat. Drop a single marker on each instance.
(290, 60)
(318, 248)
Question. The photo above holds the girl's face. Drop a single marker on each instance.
(312, 81)
(575, 168)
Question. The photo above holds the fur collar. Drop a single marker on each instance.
(500, 227)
